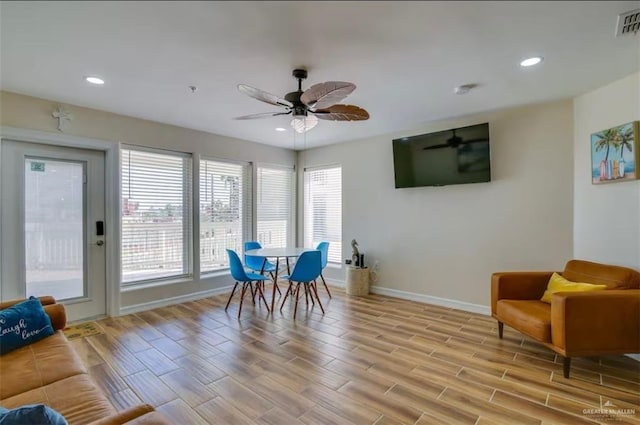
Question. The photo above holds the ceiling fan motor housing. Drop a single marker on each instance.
(299, 108)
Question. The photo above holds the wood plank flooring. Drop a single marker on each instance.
(368, 360)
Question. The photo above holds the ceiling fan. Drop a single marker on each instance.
(320, 101)
(454, 142)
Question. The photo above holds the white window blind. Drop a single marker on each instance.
(323, 210)
(156, 215)
(274, 206)
(225, 211)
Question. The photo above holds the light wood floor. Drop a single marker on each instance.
(367, 360)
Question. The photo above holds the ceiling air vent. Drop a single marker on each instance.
(628, 23)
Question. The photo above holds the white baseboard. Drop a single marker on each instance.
(136, 308)
(335, 282)
(427, 299)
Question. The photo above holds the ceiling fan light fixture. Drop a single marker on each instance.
(304, 123)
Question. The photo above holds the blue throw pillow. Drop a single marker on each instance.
(31, 414)
(22, 324)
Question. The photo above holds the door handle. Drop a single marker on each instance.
(100, 243)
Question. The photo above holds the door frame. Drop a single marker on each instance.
(112, 197)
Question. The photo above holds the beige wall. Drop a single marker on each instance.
(443, 241)
(606, 217)
(446, 241)
(35, 114)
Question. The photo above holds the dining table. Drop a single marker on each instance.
(277, 254)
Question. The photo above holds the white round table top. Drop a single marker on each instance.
(277, 252)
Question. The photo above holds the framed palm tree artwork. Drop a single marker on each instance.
(615, 154)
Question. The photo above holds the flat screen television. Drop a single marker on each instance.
(457, 156)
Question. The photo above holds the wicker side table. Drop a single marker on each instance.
(357, 281)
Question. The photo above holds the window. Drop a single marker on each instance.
(323, 210)
(274, 206)
(156, 215)
(225, 211)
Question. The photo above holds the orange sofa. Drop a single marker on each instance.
(50, 372)
(575, 323)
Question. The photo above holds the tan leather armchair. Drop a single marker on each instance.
(575, 323)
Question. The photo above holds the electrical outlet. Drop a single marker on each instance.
(373, 274)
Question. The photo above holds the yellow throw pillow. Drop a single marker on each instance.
(558, 283)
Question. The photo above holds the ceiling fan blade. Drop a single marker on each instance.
(263, 96)
(342, 113)
(261, 115)
(324, 95)
(436, 147)
(466, 142)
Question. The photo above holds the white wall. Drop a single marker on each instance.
(446, 241)
(35, 114)
(606, 216)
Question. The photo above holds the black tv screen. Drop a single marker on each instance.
(457, 156)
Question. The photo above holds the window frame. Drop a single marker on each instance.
(187, 218)
(305, 193)
(247, 221)
(292, 223)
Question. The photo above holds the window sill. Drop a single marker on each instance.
(217, 273)
(336, 266)
(146, 285)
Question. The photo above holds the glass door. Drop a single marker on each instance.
(53, 231)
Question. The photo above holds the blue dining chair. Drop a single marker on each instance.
(323, 247)
(256, 264)
(240, 275)
(305, 272)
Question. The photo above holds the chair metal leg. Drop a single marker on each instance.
(325, 285)
(315, 290)
(274, 282)
(244, 290)
(253, 293)
(306, 295)
(231, 296)
(262, 296)
(500, 329)
(286, 295)
(295, 309)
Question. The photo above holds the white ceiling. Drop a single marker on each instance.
(405, 58)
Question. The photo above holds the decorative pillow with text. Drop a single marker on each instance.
(22, 324)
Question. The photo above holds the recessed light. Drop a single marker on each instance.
(94, 80)
(280, 129)
(531, 61)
